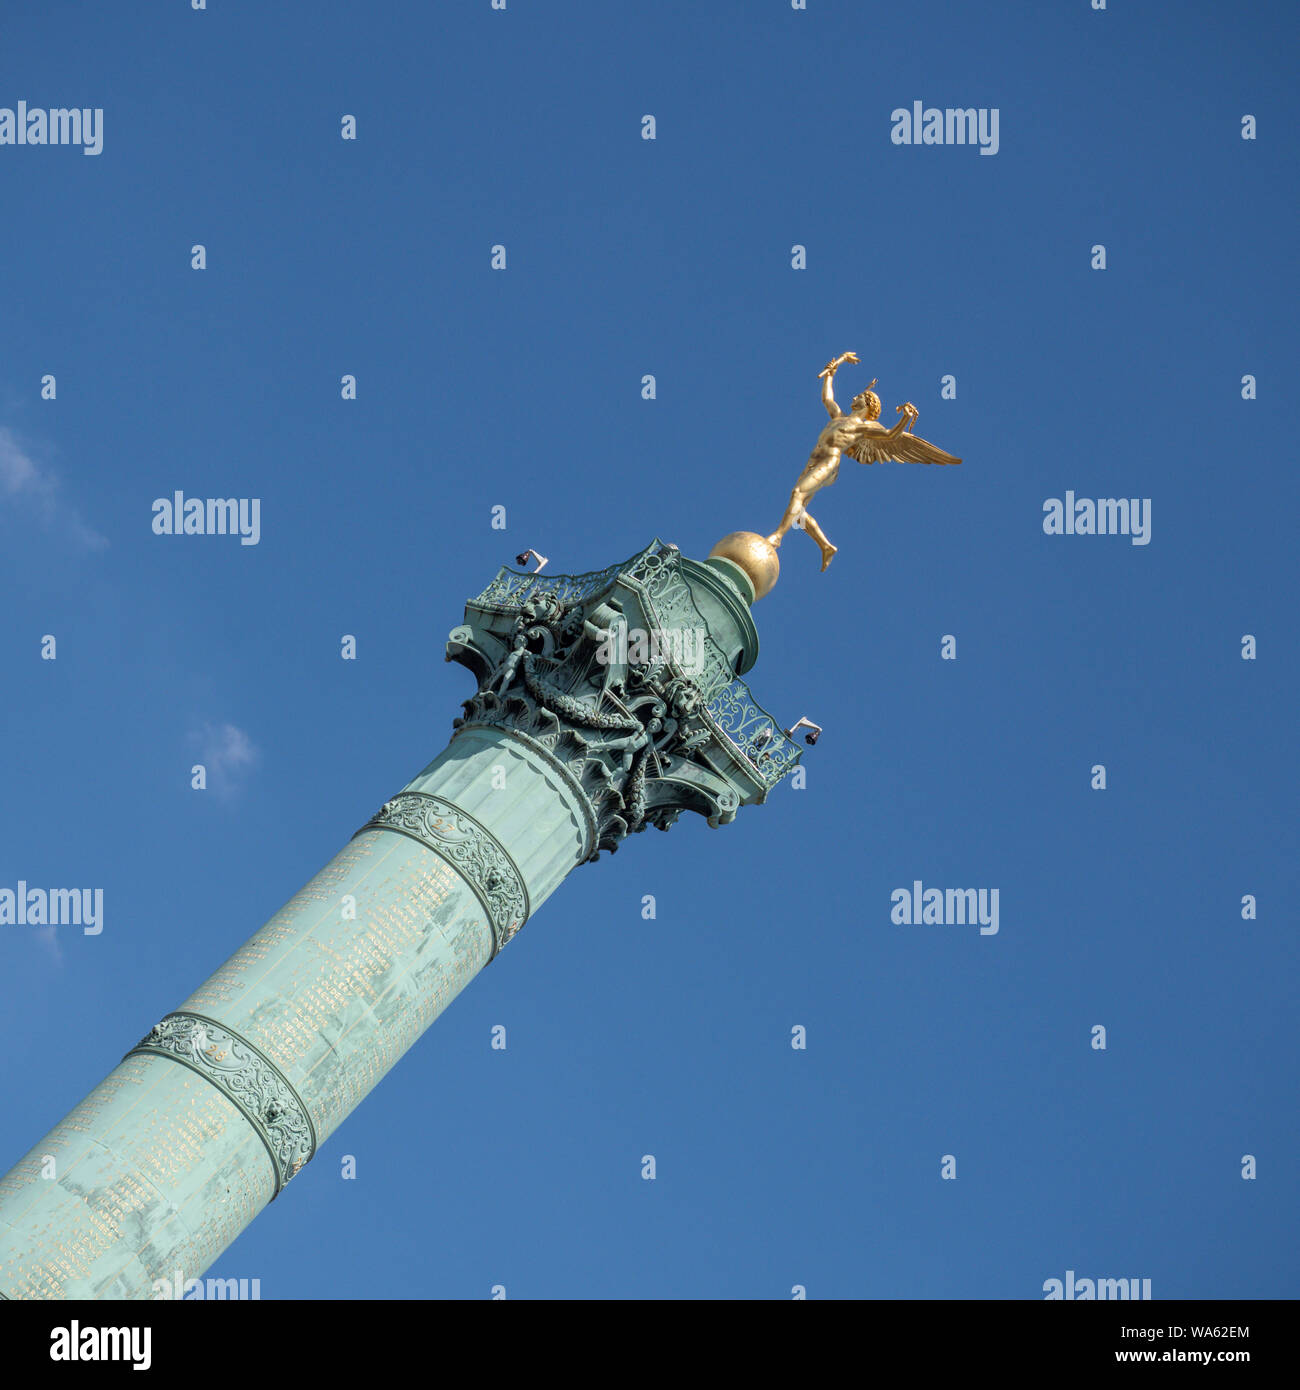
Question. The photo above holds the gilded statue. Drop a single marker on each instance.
(859, 435)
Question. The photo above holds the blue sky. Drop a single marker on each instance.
(522, 388)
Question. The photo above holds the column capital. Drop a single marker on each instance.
(631, 677)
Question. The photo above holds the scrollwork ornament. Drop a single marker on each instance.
(247, 1078)
(468, 847)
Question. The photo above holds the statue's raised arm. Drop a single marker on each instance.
(827, 375)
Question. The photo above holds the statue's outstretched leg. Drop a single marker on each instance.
(827, 549)
(797, 500)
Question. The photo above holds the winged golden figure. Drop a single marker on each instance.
(858, 435)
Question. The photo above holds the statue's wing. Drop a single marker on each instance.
(880, 446)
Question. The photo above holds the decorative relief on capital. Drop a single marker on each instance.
(250, 1081)
(616, 675)
(470, 848)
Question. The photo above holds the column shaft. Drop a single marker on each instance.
(181, 1146)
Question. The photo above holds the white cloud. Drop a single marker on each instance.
(49, 939)
(36, 487)
(228, 754)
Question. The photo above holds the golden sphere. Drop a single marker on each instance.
(754, 554)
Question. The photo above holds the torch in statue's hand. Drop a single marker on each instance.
(836, 363)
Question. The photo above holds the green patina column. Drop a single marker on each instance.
(607, 703)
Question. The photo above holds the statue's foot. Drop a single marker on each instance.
(828, 554)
